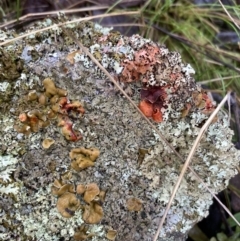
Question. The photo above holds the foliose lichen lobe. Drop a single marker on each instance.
(168, 95)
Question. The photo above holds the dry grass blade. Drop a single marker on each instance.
(218, 79)
(187, 162)
(226, 11)
(53, 13)
(69, 22)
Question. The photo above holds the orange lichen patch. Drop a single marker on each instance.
(144, 60)
(93, 213)
(67, 204)
(134, 204)
(64, 106)
(157, 115)
(23, 117)
(37, 114)
(51, 89)
(81, 233)
(47, 143)
(76, 106)
(111, 234)
(209, 107)
(83, 157)
(152, 101)
(58, 103)
(203, 102)
(58, 188)
(70, 57)
(91, 192)
(31, 121)
(149, 110)
(146, 107)
(80, 189)
(68, 131)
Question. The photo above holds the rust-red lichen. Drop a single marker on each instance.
(143, 62)
(64, 106)
(67, 129)
(157, 115)
(152, 102)
(203, 102)
(146, 107)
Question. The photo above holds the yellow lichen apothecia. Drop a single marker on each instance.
(52, 90)
(82, 233)
(91, 192)
(111, 234)
(134, 204)
(83, 158)
(67, 204)
(93, 213)
(59, 188)
(47, 143)
(48, 106)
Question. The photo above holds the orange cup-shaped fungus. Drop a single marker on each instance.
(93, 213)
(146, 107)
(67, 204)
(91, 191)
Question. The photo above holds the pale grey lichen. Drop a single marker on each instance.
(7, 167)
(47, 223)
(215, 161)
(4, 86)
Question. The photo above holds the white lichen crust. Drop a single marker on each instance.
(112, 125)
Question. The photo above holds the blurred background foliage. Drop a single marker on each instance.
(201, 31)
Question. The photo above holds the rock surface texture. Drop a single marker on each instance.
(116, 185)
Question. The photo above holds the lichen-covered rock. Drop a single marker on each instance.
(168, 95)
